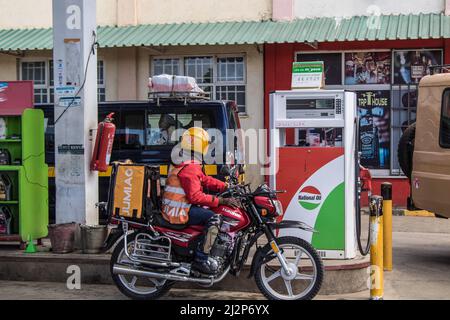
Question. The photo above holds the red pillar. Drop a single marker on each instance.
(278, 59)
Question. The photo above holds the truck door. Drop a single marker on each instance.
(430, 181)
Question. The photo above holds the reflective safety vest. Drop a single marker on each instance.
(175, 206)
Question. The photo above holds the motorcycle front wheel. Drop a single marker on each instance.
(305, 276)
(137, 288)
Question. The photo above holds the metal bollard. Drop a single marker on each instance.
(386, 193)
(376, 248)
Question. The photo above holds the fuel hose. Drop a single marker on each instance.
(364, 250)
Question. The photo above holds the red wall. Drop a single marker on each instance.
(278, 59)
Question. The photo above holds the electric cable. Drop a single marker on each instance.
(91, 53)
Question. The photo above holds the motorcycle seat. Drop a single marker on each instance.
(161, 222)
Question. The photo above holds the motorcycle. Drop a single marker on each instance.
(149, 258)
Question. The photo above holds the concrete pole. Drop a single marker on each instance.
(75, 76)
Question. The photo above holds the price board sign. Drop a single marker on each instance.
(308, 75)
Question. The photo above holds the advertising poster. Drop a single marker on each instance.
(411, 66)
(367, 68)
(374, 129)
(332, 64)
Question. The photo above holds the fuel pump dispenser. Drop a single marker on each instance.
(318, 169)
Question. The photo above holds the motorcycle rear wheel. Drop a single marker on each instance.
(303, 259)
(132, 286)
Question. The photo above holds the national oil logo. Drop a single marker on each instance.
(309, 198)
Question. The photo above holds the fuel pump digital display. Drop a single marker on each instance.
(311, 108)
(308, 104)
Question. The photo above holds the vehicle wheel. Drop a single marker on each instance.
(406, 150)
(302, 284)
(137, 288)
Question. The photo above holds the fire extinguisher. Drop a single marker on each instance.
(103, 144)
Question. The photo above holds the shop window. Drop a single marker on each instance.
(36, 71)
(230, 69)
(200, 68)
(41, 73)
(332, 63)
(232, 93)
(444, 135)
(362, 68)
(51, 82)
(374, 128)
(101, 88)
(166, 66)
(404, 109)
(222, 77)
(411, 66)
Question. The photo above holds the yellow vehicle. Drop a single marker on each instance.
(424, 148)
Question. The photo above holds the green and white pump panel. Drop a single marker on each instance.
(312, 148)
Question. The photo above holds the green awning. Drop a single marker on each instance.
(389, 27)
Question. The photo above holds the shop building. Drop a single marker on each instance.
(140, 38)
(381, 57)
(243, 50)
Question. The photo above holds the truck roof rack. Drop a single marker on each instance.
(184, 96)
(436, 69)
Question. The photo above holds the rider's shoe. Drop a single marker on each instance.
(206, 266)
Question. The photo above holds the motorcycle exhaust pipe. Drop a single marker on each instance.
(126, 270)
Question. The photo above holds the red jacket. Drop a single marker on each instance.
(193, 181)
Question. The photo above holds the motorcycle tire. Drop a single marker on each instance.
(160, 291)
(313, 254)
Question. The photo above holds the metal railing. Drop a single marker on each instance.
(184, 96)
(436, 69)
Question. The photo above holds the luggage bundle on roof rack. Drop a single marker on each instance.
(172, 87)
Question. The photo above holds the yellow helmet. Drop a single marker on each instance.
(195, 139)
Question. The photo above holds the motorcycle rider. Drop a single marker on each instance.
(184, 199)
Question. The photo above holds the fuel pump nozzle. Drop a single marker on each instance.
(364, 184)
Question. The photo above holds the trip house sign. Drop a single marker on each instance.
(371, 99)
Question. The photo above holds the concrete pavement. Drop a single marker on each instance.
(421, 255)
(26, 290)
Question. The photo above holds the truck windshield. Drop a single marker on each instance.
(161, 126)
